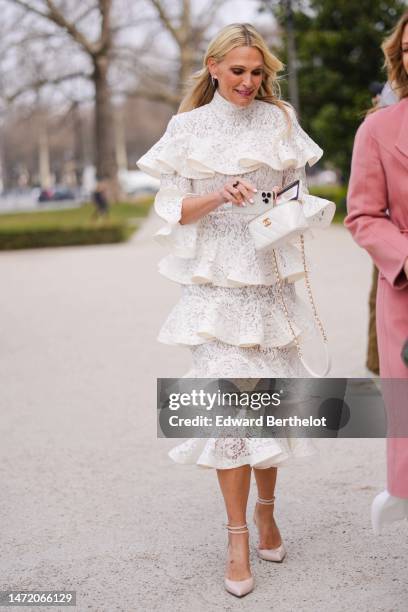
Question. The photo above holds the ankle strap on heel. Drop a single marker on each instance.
(266, 502)
(238, 529)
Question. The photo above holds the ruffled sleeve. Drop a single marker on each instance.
(319, 212)
(192, 150)
(179, 239)
(153, 162)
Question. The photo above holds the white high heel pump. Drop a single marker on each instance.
(386, 509)
(239, 588)
(270, 554)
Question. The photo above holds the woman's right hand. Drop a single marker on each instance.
(238, 195)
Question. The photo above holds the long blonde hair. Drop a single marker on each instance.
(200, 89)
(392, 49)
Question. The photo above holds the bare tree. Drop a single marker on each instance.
(65, 19)
(43, 143)
(285, 10)
(56, 53)
(187, 32)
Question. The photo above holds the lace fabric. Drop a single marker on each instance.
(229, 313)
(221, 138)
(243, 317)
(218, 248)
(227, 453)
(217, 360)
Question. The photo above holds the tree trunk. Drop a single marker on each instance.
(44, 158)
(4, 168)
(79, 156)
(292, 59)
(120, 140)
(186, 66)
(105, 158)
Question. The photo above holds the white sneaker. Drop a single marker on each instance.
(386, 509)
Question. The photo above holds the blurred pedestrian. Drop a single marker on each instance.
(388, 96)
(100, 199)
(375, 90)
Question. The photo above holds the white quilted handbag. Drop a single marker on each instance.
(278, 225)
(283, 223)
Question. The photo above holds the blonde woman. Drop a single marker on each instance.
(232, 137)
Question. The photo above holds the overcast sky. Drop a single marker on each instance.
(239, 10)
(243, 10)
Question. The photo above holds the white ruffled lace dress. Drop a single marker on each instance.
(229, 314)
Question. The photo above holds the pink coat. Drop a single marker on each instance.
(377, 217)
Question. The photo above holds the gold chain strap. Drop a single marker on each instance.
(309, 292)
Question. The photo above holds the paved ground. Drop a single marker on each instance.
(89, 499)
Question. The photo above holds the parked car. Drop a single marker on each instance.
(64, 193)
(45, 195)
(56, 195)
(135, 182)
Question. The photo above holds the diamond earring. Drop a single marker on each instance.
(213, 81)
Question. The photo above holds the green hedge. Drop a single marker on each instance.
(71, 226)
(35, 237)
(76, 227)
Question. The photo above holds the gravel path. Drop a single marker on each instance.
(90, 501)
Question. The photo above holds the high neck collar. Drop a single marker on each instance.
(227, 109)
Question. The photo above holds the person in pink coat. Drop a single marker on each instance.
(377, 203)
